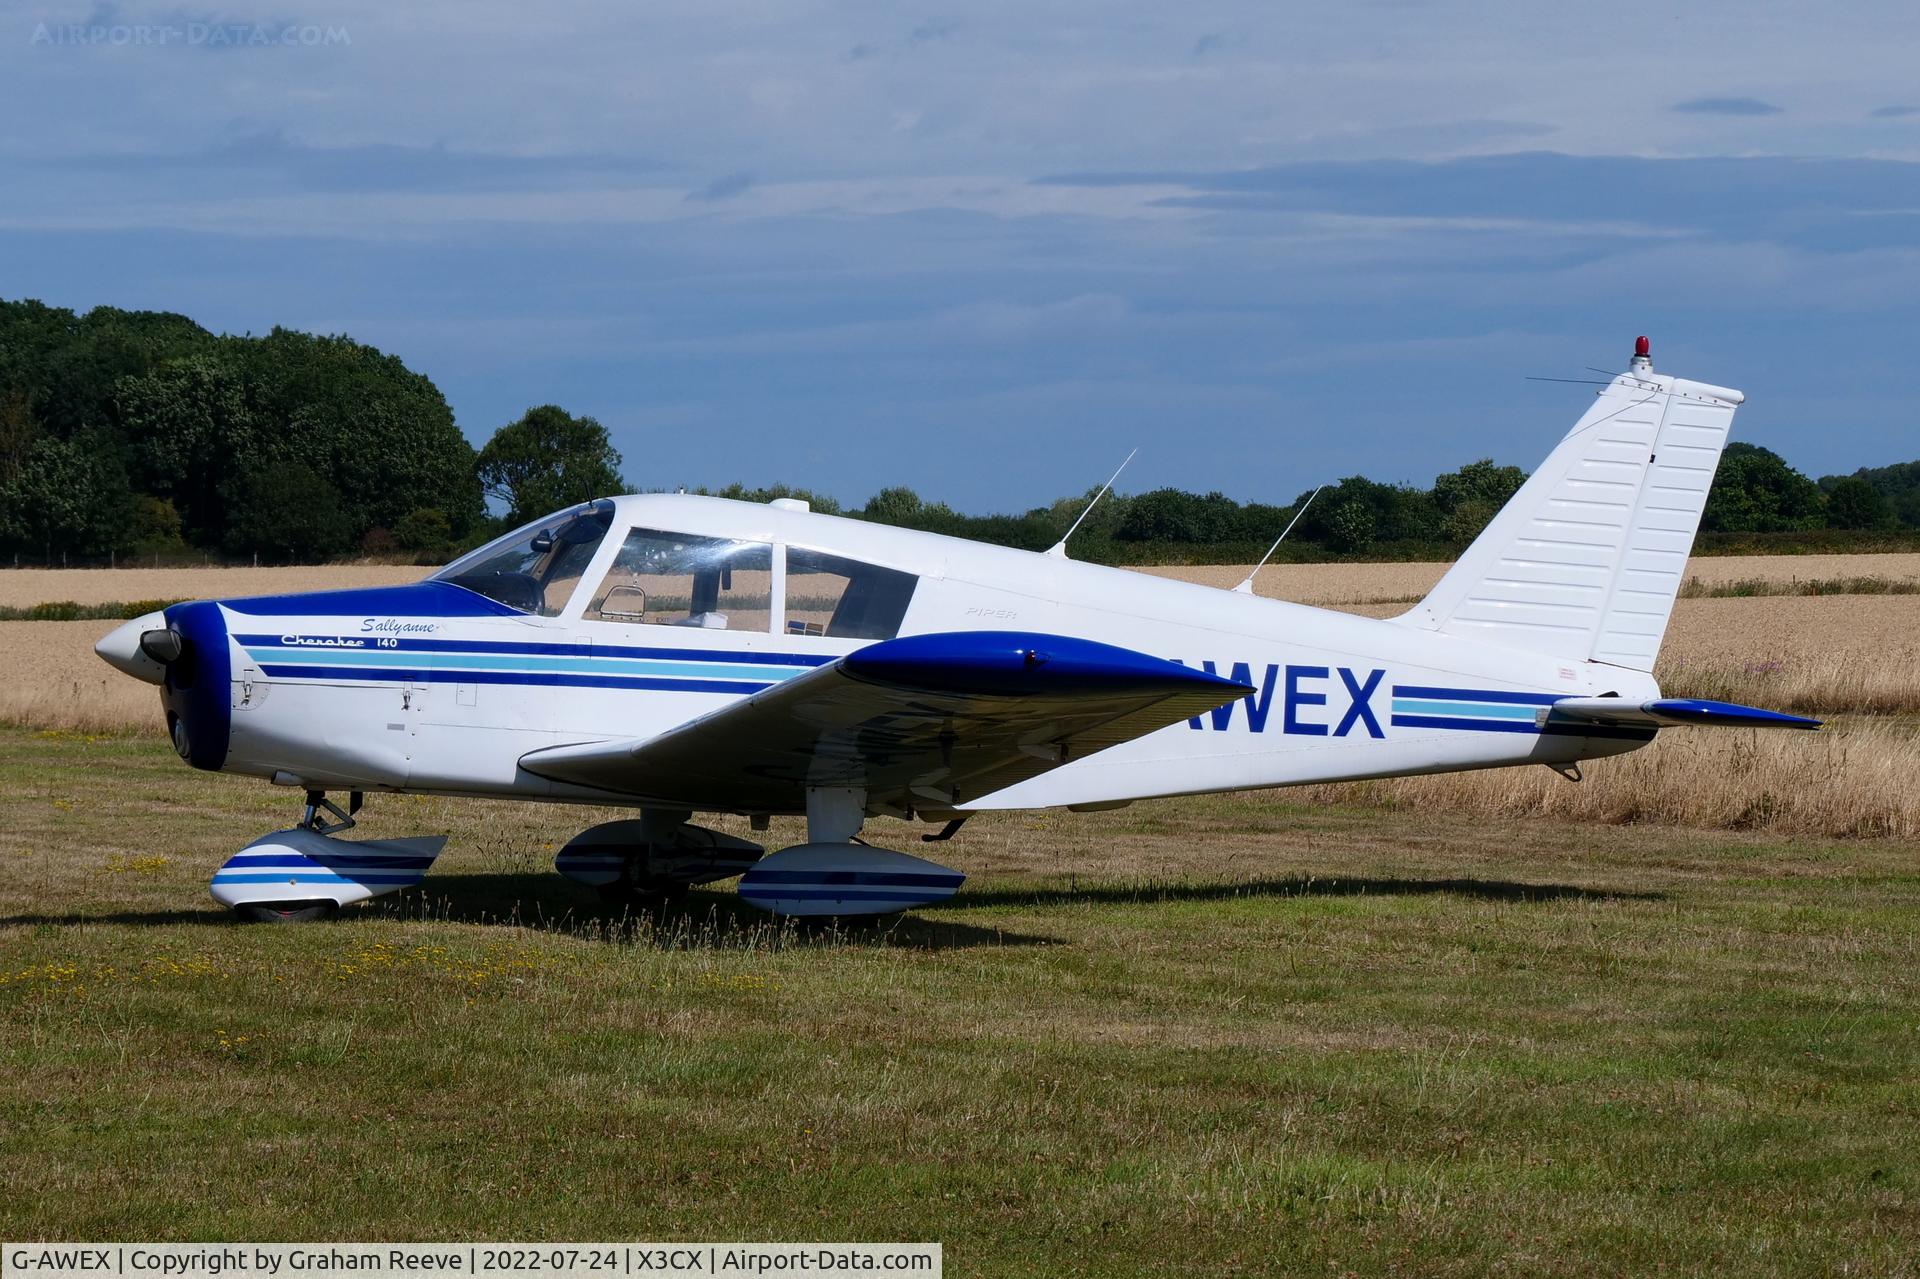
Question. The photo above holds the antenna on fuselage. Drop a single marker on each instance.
(1246, 587)
(1059, 549)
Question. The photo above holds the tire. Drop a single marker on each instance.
(638, 889)
(285, 912)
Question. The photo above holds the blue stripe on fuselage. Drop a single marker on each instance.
(372, 642)
(390, 659)
(1484, 710)
(534, 678)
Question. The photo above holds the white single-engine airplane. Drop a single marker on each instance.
(683, 654)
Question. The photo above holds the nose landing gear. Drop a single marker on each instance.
(303, 873)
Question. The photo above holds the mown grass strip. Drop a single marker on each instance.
(1435, 1044)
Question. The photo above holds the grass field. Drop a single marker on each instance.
(1232, 1035)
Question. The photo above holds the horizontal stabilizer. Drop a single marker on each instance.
(1670, 712)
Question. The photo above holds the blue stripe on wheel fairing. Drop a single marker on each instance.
(345, 863)
(749, 892)
(309, 877)
(875, 877)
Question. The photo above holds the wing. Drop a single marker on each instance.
(1669, 712)
(926, 722)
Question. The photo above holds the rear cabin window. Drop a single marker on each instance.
(844, 599)
(676, 579)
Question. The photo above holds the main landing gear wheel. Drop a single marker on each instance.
(638, 889)
(285, 912)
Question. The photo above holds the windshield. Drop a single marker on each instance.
(535, 568)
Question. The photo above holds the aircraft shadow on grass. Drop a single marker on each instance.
(1292, 886)
(548, 903)
(702, 919)
(719, 919)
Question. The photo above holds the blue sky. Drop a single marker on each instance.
(985, 250)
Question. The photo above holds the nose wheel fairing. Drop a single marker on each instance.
(300, 868)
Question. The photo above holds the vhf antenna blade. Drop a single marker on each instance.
(1059, 549)
(1246, 587)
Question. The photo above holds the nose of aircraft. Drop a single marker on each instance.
(120, 648)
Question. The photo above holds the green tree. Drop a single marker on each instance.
(819, 503)
(69, 366)
(1351, 526)
(1171, 515)
(424, 529)
(380, 433)
(68, 496)
(1467, 499)
(1899, 484)
(900, 507)
(1755, 491)
(191, 432)
(288, 512)
(548, 460)
(19, 428)
(1855, 503)
(1393, 513)
(156, 527)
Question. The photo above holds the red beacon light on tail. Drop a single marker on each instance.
(1642, 355)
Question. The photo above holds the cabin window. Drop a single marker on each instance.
(844, 599)
(676, 579)
(535, 569)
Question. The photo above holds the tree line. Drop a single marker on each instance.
(140, 433)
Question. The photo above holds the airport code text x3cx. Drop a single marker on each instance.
(680, 655)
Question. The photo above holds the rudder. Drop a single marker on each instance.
(1587, 558)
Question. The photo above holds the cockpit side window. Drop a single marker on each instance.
(677, 579)
(536, 568)
(839, 598)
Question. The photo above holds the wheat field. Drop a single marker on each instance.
(1320, 584)
(25, 587)
(1333, 585)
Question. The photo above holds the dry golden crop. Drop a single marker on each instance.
(1852, 779)
(24, 587)
(1342, 584)
(55, 680)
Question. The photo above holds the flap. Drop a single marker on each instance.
(926, 722)
(1669, 712)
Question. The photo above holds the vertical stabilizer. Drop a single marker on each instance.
(1586, 559)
